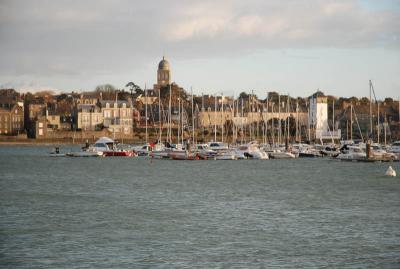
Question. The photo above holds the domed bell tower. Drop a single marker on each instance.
(163, 73)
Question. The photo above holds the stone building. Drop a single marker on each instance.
(11, 119)
(117, 116)
(88, 117)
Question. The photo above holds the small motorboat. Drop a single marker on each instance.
(183, 155)
(110, 148)
(87, 153)
(226, 155)
(56, 153)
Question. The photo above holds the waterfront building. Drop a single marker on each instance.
(117, 116)
(89, 117)
(11, 112)
(11, 119)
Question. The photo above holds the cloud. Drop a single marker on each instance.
(290, 24)
(74, 44)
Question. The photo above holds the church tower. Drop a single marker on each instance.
(163, 73)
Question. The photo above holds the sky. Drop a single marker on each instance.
(294, 47)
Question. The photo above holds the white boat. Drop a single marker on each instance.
(281, 154)
(56, 153)
(143, 150)
(251, 151)
(226, 155)
(183, 155)
(160, 151)
(204, 151)
(110, 148)
(395, 148)
(352, 153)
(218, 146)
(377, 152)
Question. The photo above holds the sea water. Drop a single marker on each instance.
(141, 213)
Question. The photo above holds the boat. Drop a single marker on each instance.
(204, 151)
(377, 152)
(281, 154)
(183, 155)
(143, 150)
(395, 148)
(330, 151)
(352, 153)
(226, 155)
(56, 153)
(218, 146)
(110, 148)
(160, 151)
(87, 153)
(251, 151)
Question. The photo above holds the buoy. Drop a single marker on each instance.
(390, 172)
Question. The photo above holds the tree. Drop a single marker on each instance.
(108, 91)
(134, 88)
(243, 96)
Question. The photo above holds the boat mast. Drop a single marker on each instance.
(351, 121)
(279, 122)
(202, 110)
(333, 116)
(379, 129)
(370, 108)
(145, 112)
(182, 131)
(297, 121)
(222, 117)
(159, 114)
(115, 114)
(170, 115)
(215, 118)
(308, 121)
(191, 91)
(273, 124)
(288, 118)
(385, 124)
(179, 117)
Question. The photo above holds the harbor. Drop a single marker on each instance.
(148, 212)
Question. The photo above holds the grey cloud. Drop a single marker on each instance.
(92, 38)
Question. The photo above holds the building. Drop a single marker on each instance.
(89, 98)
(117, 116)
(163, 74)
(149, 97)
(318, 118)
(88, 117)
(11, 119)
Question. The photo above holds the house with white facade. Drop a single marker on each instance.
(117, 116)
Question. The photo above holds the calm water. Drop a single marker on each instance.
(133, 213)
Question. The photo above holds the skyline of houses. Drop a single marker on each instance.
(120, 112)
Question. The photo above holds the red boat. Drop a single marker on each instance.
(122, 153)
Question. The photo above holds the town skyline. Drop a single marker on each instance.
(226, 47)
